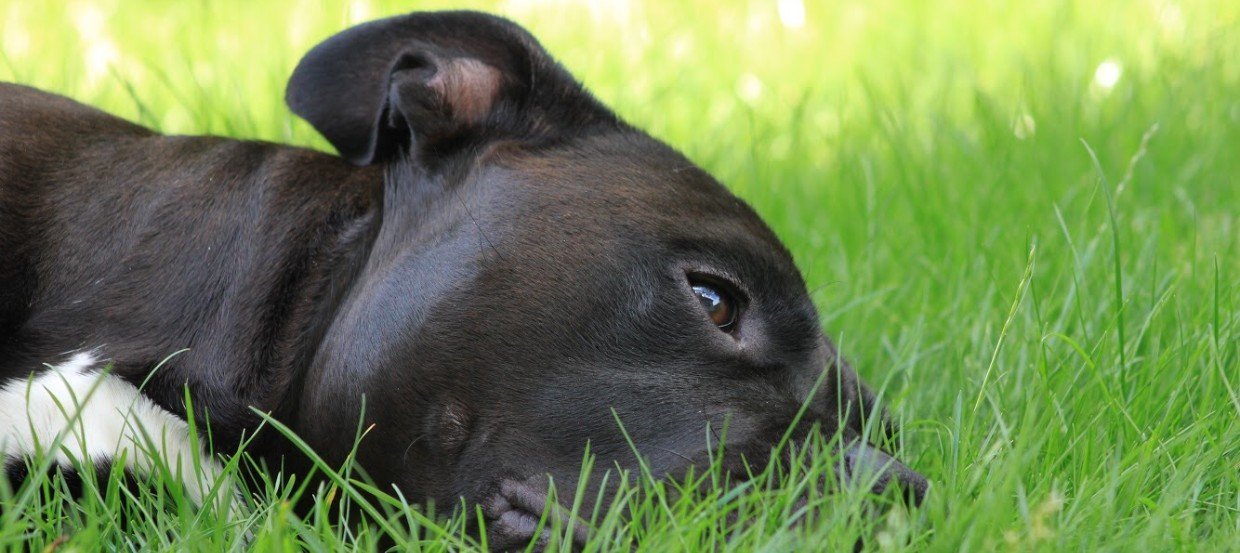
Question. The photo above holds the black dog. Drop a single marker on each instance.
(495, 265)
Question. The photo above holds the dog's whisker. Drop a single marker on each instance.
(676, 453)
(821, 287)
(405, 456)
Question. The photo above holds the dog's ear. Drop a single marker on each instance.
(430, 82)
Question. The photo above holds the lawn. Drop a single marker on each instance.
(1020, 220)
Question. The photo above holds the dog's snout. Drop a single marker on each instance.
(865, 463)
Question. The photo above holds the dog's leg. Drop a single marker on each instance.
(75, 410)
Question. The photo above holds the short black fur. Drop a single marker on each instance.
(495, 265)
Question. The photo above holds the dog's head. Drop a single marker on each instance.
(541, 270)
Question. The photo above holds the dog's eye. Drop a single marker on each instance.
(719, 306)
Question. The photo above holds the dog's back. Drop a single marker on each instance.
(35, 128)
(33, 122)
(112, 234)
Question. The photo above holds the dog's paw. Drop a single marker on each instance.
(515, 518)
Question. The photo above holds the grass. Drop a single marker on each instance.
(1020, 220)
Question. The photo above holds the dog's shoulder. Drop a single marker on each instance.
(27, 113)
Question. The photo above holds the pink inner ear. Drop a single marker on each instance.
(468, 87)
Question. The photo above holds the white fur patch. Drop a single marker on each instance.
(73, 410)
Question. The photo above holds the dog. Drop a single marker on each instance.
(495, 272)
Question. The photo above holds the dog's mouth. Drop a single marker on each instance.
(869, 466)
(519, 513)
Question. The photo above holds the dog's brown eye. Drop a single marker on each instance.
(718, 305)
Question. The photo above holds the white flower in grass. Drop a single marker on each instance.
(791, 13)
(100, 51)
(1108, 73)
(360, 11)
(749, 87)
(1024, 126)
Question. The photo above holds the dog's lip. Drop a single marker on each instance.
(865, 463)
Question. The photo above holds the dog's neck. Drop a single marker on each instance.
(329, 278)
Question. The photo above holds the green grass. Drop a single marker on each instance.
(1038, 264)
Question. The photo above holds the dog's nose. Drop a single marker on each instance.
(865, 463)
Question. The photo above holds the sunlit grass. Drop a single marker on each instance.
(1020, 220)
